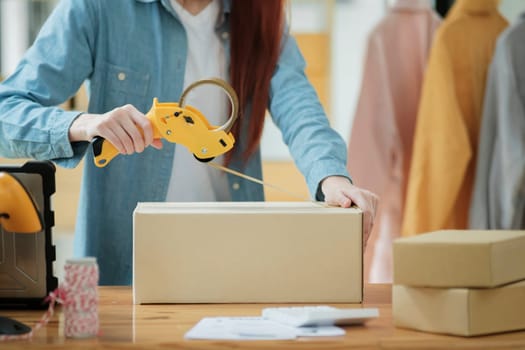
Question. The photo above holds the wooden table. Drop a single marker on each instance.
(126, 326)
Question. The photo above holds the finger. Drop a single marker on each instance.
(134, 134)
(343, 200)
(338, 198)
(369, 232)
(367, 202)
(132, 130)
(109, 129)
(157, 143)
(367, 226)
(364, 199)
(110, 136)
(124, 139)
(143, 123)
(112, 127)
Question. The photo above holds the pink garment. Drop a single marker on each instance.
(381, 140)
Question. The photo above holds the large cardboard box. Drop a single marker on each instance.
(246, 253)
(460, 258)
(460, 311)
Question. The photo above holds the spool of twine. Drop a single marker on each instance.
(79, 297)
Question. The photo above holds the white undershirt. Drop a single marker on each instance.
(191, 180)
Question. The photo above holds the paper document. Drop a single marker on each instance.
(255, 328)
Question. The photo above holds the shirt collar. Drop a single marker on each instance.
(226, 4)
(412, 4)
(226, 9)
(476, 6)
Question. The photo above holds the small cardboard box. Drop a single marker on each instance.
(460, 258)
(460, 311)
(224, 252)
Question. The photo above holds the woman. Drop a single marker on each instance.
(131, 51)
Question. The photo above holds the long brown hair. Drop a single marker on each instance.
(256, 29)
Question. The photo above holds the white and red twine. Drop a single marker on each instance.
(79, 297)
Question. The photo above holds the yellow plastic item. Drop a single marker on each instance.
(18, 212)
(184, 125)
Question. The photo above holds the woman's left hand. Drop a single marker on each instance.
(339, 191)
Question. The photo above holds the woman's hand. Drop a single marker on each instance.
(125, 127)
(339, 191)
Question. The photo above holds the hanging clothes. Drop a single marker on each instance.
(498, 199)
(443, 6)
(448, 122)
(380, 144)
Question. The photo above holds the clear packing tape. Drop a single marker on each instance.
(266, 184)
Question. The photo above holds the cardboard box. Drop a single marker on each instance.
(457, 258)
(460, 311)
(252, 252)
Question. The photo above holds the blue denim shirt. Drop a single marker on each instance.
(98, 40)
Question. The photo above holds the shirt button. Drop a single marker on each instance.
(236, 186)
(121, 76)
(225, 35)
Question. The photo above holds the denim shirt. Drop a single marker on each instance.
(130, 51)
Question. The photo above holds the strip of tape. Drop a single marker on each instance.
(266, 184)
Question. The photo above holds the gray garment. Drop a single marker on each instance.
(498, 200)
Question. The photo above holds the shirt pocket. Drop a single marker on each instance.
(118, 85)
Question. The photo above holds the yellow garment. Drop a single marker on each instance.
(449, 118)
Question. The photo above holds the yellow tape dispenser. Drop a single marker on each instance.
(185, 125)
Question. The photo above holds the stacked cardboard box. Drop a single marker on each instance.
(460, 282)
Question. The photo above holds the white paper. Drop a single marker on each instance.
(240, 328)
(254, 328)
(320, 331)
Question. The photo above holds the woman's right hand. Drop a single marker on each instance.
(125, 127)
